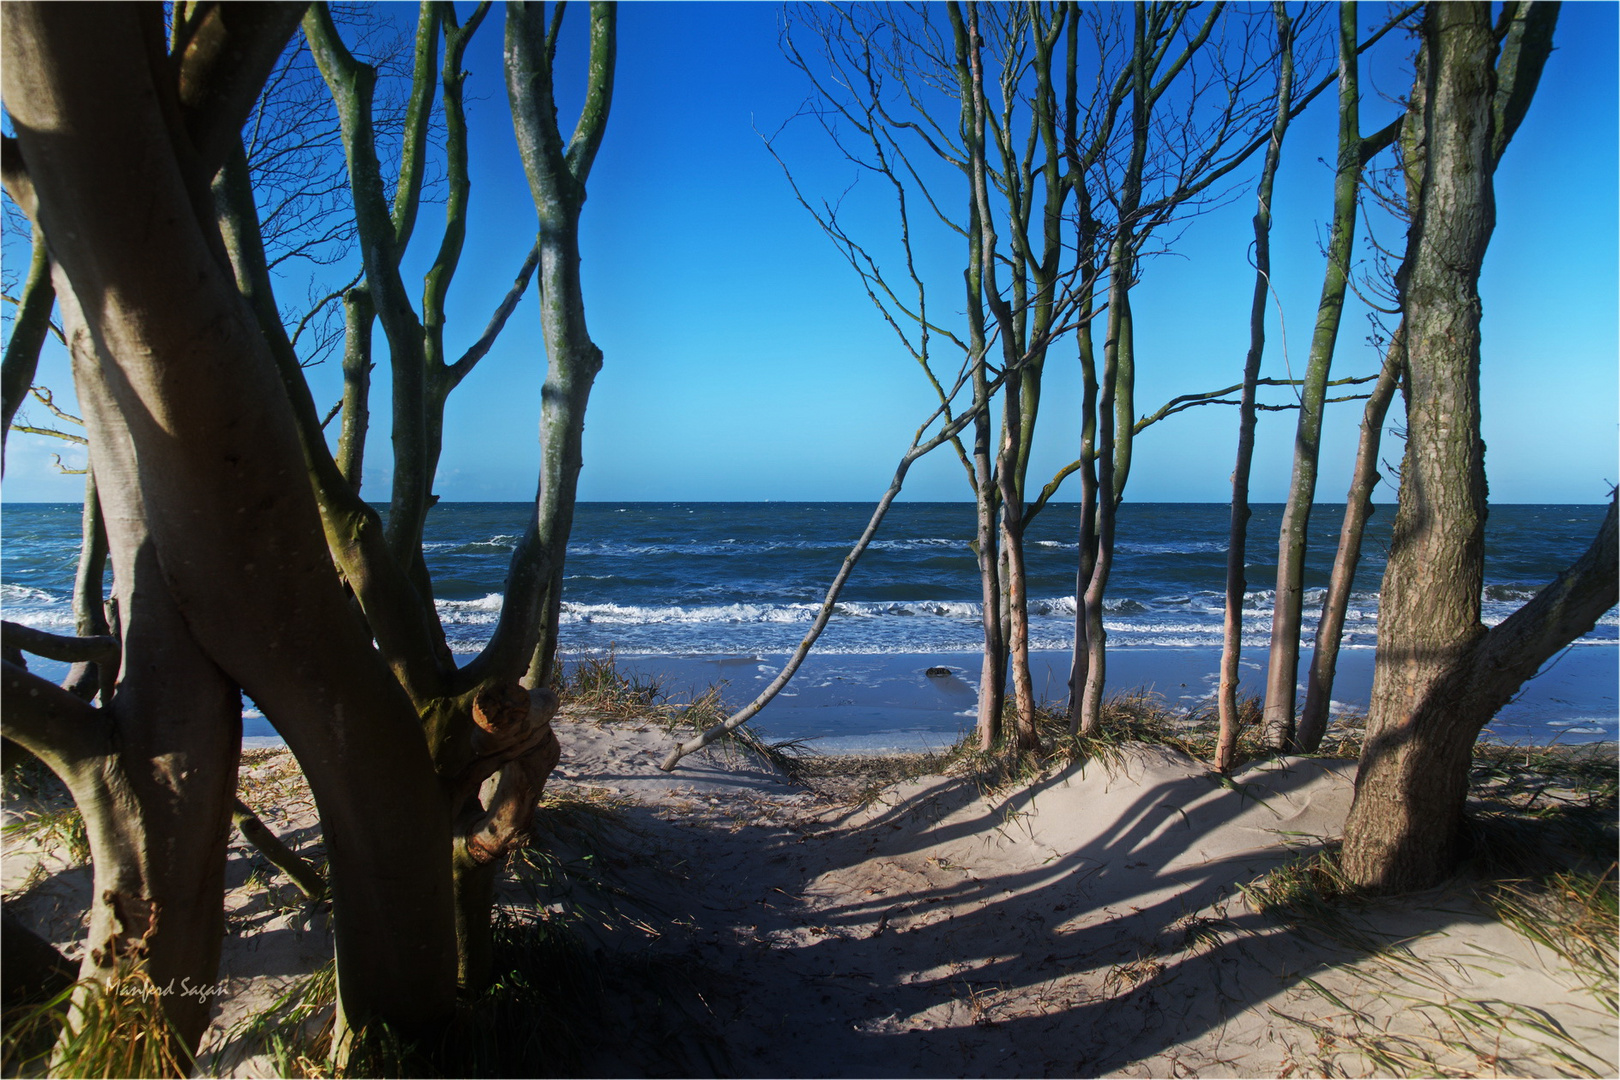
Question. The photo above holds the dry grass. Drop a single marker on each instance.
(96, 1029)
(596, 685)
(1574, 916)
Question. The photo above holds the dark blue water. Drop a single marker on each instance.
(745, 579)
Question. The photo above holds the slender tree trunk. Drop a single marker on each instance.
(358, 315)
(27, 337)
(88, 678)
(1238, 535)
(557, 173)
(1086, 531)
(1107, 496)
(993, 662)
(1283, 673)
(1017, 599)
(1358, 508)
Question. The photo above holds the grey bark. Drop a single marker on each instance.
(1283, 671)
(195, 455)
(1237, 535)
(1440, 675)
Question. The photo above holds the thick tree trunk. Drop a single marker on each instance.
(191, 410)
(1282, 676)
(1439, 676)
(1358, 507)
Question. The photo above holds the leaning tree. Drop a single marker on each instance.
(1440, 675)
(226, 512)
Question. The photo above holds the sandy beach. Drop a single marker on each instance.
(1100, 920)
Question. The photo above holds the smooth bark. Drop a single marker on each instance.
(1358, 507)
(557, 173)
(1238, 533)
(1282, 675)
(194, 448)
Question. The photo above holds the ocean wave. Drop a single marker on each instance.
(478, 612)
(732, 546)
(1178, 547)
(1511, 593)
(23, 594)
(53, 619)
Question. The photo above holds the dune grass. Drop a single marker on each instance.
(96, 1028)
(597, 686)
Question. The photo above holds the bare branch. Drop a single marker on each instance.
(476, 352)
(44, 718)
(283, 858)
(68, 650)
(27, 334)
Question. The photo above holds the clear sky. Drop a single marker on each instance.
(744, 361)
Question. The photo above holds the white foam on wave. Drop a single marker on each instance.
(23, 594)
(480, 612)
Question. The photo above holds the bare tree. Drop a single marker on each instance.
(1440, 675)
(911, 107)
(219, 472)
(1179, 146)
(1353, 153)
(1237, 536)
(194, 456)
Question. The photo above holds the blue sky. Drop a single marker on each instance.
(743, 360)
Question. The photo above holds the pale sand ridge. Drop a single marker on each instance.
(1088, 924)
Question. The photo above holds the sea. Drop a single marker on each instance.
(692, 594)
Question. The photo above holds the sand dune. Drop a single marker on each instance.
(1091, 923)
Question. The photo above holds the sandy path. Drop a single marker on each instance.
(1091, 924)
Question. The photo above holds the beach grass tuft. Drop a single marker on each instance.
(598, 686)
(96, 1028)
(60, 829)
(1573, 915)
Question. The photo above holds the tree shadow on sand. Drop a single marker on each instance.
(1081, 925)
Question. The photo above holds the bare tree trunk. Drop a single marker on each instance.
(1086, 531)
(27, 337)
(1107, 494)
(993, 664)
(1116, 400)
(557, 175)
(1283, 673)
(193, 425)
(1358, 508)
(1238, 535)
(358, 315)
(1440, 676)
(89, 678)
(1027, 737)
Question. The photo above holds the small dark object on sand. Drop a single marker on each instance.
(938, 673)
